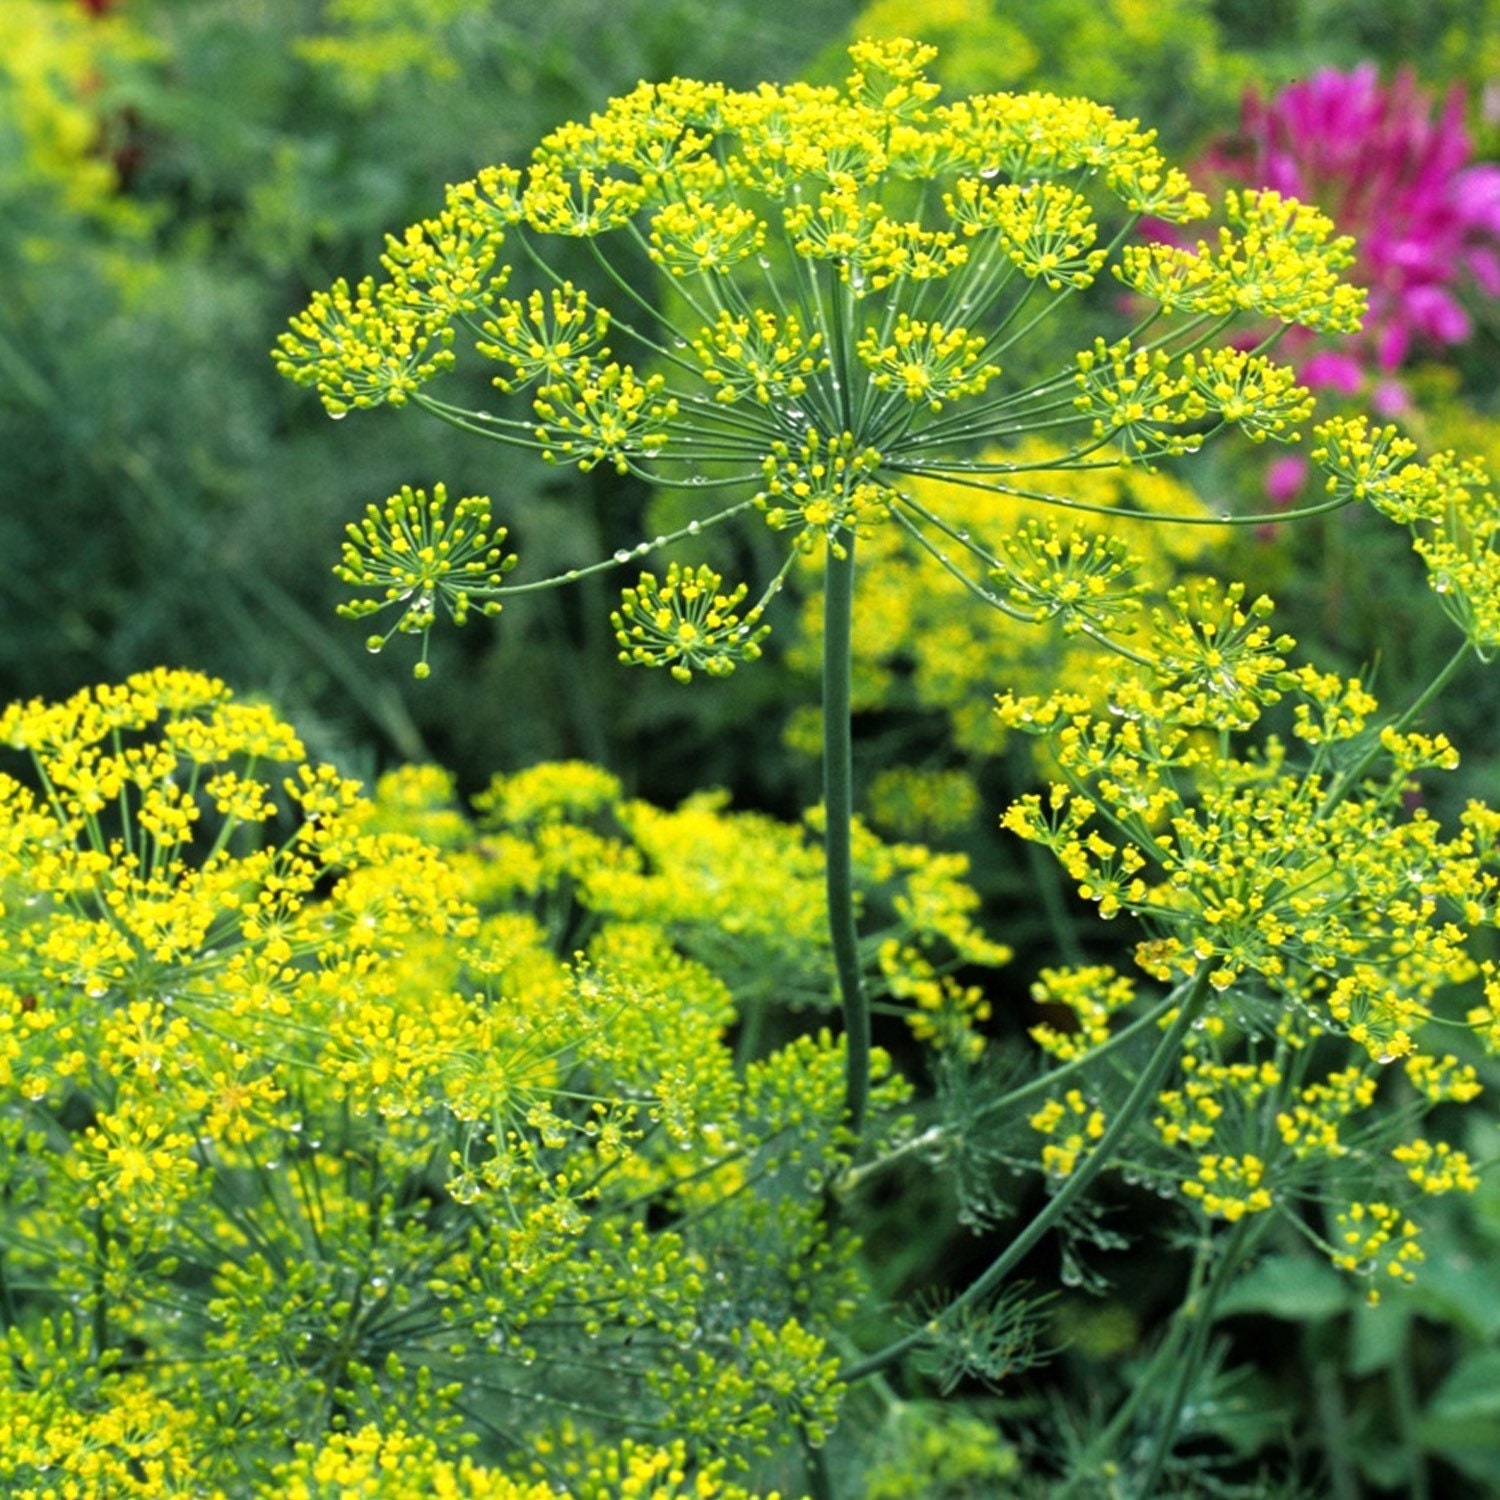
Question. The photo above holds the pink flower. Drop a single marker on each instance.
(1392, 169)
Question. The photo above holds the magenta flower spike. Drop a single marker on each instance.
(1393, 168)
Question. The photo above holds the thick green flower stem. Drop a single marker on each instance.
(838, 812)
(1145, 1088)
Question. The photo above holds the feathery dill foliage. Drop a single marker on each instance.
(346, 1141)
(843, 278)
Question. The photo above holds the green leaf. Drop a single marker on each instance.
(1458, 1289)
(1472, 1447)
(1377, 1336)
(1471, 1390)
(1296, 1288)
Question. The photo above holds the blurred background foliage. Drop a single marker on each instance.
(175, 175)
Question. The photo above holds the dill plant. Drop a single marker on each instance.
(347, 1138)
(850, 271)
(851, 322)
(440, 1136)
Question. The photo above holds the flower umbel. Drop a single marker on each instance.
(420, 558)
(687, 624)
(844, 276)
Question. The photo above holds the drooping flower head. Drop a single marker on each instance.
(1392, 167)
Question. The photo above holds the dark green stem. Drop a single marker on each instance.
(1135, 1103)
(101, 1310)
(1202, 1315)
(838, 811)
(819, 1481)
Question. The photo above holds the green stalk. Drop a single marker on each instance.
(1202, 1314)
(1165, 1358)
(1135, 1103)
(838, 812)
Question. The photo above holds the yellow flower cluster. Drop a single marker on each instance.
(1229, 1187)
(700, 873)
(1316, 898)
(354, 1116)
(685, 622)
(1302, 878)
(1276, 258)
(1071, 1124)
(1449, 504)
(847, 270)
(418, 558)
(69, 1427)
(1376, 1237)
(1090, 997)
(392, 1465)
(822, 488)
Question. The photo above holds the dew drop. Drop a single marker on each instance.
(989, 171)
(622, 555)
(694, 528)
(337, 416)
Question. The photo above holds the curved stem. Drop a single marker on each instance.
(1350, 777)
(838, 811)
(1142, 1092)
